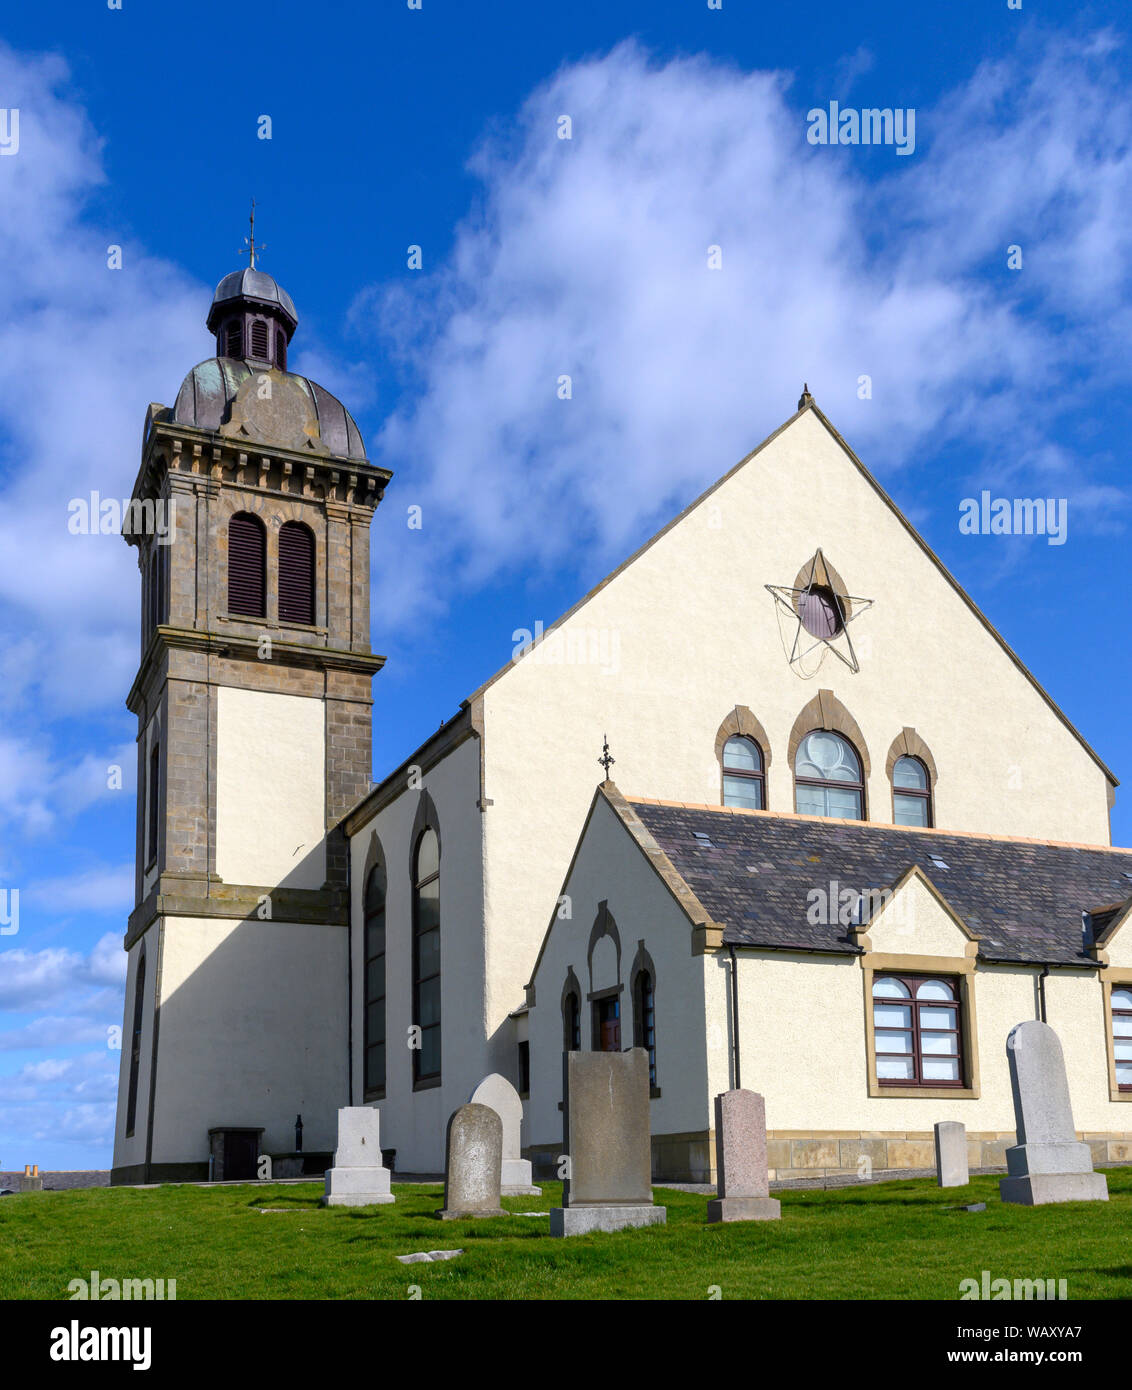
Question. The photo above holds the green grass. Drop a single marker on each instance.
(892, 1240)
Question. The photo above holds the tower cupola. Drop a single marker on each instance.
(253, 318)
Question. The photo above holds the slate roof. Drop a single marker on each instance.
(753, 873)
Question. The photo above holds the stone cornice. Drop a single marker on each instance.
(203, 459)
(283, 653)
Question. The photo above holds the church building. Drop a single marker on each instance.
(839, 841)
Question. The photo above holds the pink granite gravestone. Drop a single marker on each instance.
(741, 1171)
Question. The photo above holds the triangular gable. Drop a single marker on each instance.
(886, 928)
(887, 500)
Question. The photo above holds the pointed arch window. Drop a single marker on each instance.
(247, 562)
(426, 956)
(744, 774)
(296, 573)
(911, 792)
(135, 1045)
(644, 1020)
(374, 947)
(827, 777)
(572, 1022)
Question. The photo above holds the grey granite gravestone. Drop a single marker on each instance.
(473, 1164)
(357, 1178)
(497, 1092)
(1048, 1163)
(951, 1154)
(606, 1139)
(740, 1160)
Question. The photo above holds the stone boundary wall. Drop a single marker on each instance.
(61, 1180)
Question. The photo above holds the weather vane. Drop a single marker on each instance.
(607, 759)
(252, 250)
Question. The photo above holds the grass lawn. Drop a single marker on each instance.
(892, 1240)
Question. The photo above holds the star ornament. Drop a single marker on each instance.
(822, 612)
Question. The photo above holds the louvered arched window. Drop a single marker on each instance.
(247, 550)
(281, 349)
(296, 573)
(233, 339)
(375, 979)
(259, 339)
(426, 955)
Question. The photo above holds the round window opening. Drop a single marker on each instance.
(820, 612)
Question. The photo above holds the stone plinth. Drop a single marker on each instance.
(498, 1093)
(357, 1178)
(951, 1154)
(474, 1164)
(606, 1137)
(742, 1181)
(1048, 1163)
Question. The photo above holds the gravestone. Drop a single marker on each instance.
(498, 1093)
(951, 1154)
(740, 1160)
(1048, 1163)
(357, 1178)
(606, 1139)
(473, 1164)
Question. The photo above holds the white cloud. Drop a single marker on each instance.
(57, 977)
(589, 257)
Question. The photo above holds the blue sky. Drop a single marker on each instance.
(436, 127)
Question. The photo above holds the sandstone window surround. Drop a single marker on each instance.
(742, 750)
(912, 774)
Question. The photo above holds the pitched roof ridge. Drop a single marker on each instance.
(875, 825)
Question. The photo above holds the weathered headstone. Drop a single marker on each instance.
(740, 1160)
(473, 1164)
(1048, 1163)
(498, 1093)
(951, 1154)
(357, 1178)
(606, 1139)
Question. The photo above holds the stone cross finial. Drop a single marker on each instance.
(607, 759)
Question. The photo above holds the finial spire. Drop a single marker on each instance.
(607, 759)
(251, 250)
(805, 398)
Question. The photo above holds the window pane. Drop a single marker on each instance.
(810, 801)
(910, 810)
(831, 754)
(934, 989)
(1122, 1027)
(375, 1021)
(885, 987)
(375, 890)
(429, 1002)
(428, 954)
(910, 772)
(375, 936)
(1122, 998)
(746, 792)
(742, 753)
(1124, 1073)
(939, 1044)
(846, 805)
(428, 906)
(1123, 1050)
(891, 1016)
(887, 1041)
(375, 1065)
(894, 1068)
(937, 1018)
(375, 978)
(428, 855)
(941, 1069)
(430, 1052)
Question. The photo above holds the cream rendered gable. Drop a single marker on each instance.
(916, 921)
(663, 650)
(646, 925)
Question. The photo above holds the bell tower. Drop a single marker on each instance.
(250, 516)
